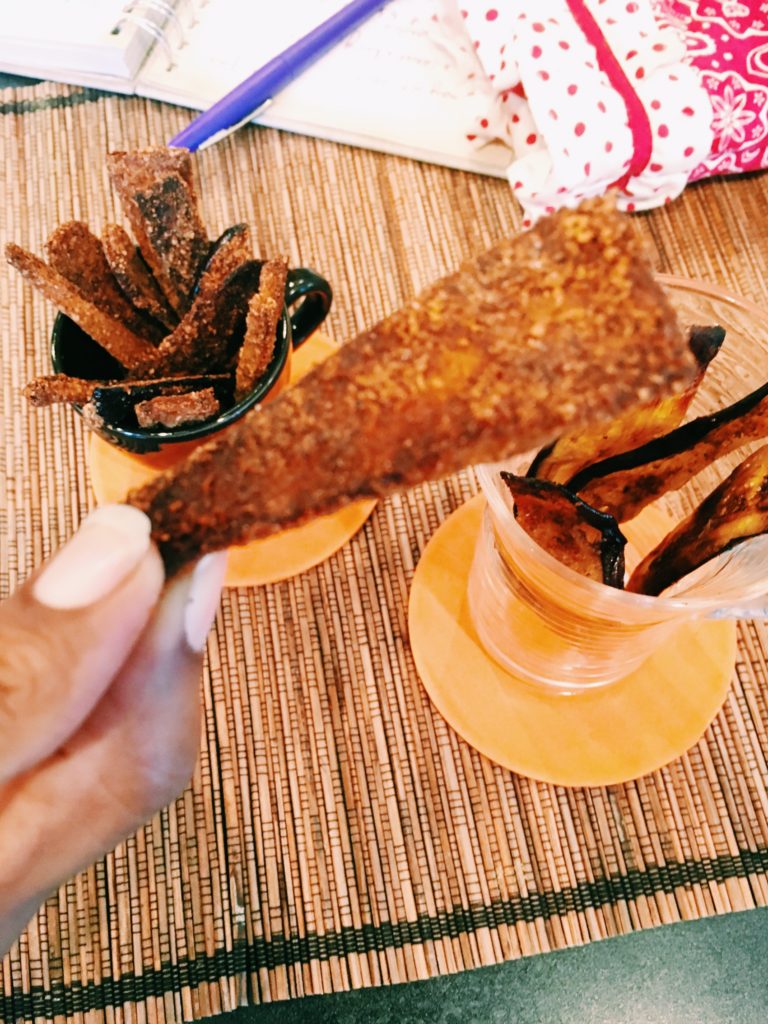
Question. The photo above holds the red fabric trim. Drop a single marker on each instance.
(639, 124)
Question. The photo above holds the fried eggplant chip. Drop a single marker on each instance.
(258, 346)
(570, 454)
(272, 280)
(264, 310)
(134, 276)
(123, 344)
(734, 512)
(624, 484)
(115, 404)
(173, 411)
(564, 324)
(230, 250)
(157, 193)
(586, 540)
(56, 388)
(60, 388)
(77, 254)
(206, 336)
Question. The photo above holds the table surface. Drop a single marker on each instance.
(707, 971)
(701, 972)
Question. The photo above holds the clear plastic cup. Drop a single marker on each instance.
(553, 628)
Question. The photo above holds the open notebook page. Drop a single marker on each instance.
(389, 86)
(71, 41)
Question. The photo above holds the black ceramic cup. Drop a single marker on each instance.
(308, 298)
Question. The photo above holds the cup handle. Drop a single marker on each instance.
(317, 296)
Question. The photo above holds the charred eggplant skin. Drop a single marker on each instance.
(674, 443)
(612, 540)
(734, 512)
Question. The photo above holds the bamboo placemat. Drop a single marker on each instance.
(337, 833)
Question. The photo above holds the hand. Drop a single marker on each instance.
(99, 702)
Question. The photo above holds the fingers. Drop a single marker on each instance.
(146, 730)
(66, 632)
(132, 755)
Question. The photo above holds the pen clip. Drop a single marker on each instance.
(218, 136)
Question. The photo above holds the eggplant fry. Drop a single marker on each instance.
(56, 388)
(230, 250)
(561, 325)
(272, 280)
(123, 344)
(134, 277)
(734, 512)
(624, 484)
(586, 540)
(77, 254)
(157, 192)
(261, 322)
(202, 340)
(172, 411)
(258, 346)
(572, 453)
(114, 405)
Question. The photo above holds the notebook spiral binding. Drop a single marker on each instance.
(157, 17)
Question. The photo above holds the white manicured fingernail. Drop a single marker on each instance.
(110, 543)
(203, 598)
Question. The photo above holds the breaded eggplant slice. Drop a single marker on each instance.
(570, 454)
(272, 280)
(77, 254)
(134, 277)
(115, 404)
(264, 310)
(734, 512)
(562, 325)
(122, 344)
(172, 411)
(258, 346)
(207, 336)
(56, 388)
(624, 484)
(587, 541)
(157, 192)
(230, 250)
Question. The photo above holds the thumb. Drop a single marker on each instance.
(65, 633)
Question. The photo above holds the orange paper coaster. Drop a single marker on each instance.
(114, 472)
(604, 736)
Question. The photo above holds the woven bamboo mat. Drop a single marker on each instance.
(337, 833)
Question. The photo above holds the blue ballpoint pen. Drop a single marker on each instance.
(253, 95)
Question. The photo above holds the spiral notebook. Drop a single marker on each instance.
(390, 86)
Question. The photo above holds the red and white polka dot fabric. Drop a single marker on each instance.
(641, 95)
